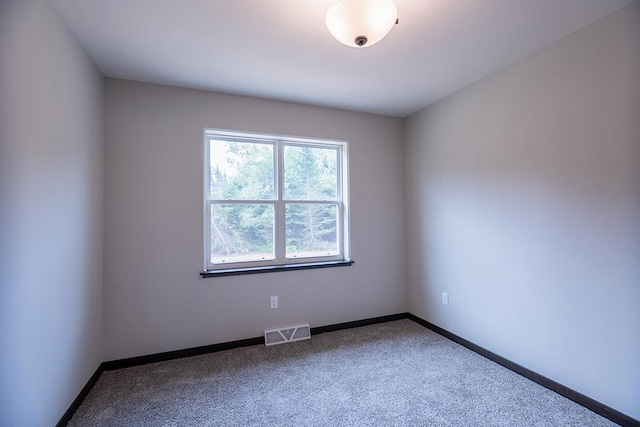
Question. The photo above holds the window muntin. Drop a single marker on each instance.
(274, 200)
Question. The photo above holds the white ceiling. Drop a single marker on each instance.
(281, 49)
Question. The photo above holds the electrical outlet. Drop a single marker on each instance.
(445, 298)
(273, 302)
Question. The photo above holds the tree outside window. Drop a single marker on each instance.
(274, 201)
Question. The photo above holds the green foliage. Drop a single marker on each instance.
(245, 171)
(242, 230)
(311, 229)
(242, 171)
(310, 173)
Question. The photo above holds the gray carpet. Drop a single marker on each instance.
(391, 374)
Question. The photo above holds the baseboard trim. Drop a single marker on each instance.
(130, 362)
(589, 403)
(579, 398)
(81, 396)
(358, 323)
(113, 365)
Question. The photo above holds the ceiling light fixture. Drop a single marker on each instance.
(361, 23)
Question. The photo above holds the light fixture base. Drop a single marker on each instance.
(361, 23)
(361, 40)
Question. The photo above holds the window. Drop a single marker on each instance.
(274, 201)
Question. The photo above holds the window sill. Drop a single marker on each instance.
(273, 268)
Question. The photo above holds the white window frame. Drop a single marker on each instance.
(280, 141)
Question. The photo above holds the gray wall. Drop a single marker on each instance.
(521, 193)
(155, 299)
(523, 203)
(51, 133)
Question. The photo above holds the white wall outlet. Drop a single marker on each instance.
(273, 302)
(445, 298)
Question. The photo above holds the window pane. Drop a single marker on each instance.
(310, 173)
(241, 170)
(311, 230)
(242, 232)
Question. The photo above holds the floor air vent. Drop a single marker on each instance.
(283, 335)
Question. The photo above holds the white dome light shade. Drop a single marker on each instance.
(361, 23)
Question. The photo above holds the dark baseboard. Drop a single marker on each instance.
(113, 365)
(587, 402)
(81, 396)
(197, 351)
(358, 323)
(579, 398)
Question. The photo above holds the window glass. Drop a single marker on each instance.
(312, 230)
(310, 173)
(274, 201)
(242, 170)
(242, 232)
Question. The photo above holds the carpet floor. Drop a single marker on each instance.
(391, 374)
